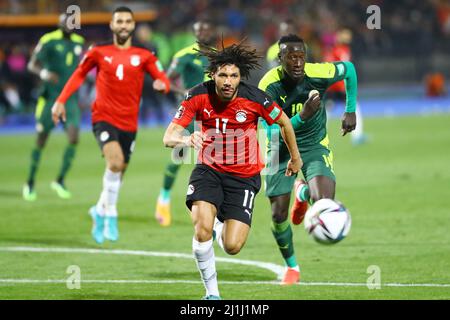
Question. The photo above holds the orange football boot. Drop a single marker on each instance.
(291, 276)
(300, 207)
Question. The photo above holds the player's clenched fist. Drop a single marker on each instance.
(294, 166)
(159, 85)
(58, 112)
(196, 140)
(311, 106)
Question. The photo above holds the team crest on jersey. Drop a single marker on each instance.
(135, 60)
(179, 113)
(241, 116)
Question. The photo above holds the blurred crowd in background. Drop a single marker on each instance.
(409, 29)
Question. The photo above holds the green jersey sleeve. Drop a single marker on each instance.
(178, 64)
(325, 74)
(41, 51)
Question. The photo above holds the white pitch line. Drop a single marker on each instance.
(322, 284)
(278, 270)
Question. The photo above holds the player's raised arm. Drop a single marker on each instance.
(174, 75)
(287, 132)
(156, 71)
(351, 91)
(35, 65)
(174, 137)
(72, 85)
(175, 134)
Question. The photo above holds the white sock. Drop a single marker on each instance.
(101, 204)
(359, 130)
(218, 227)
(206, 264)
(296, 268)
(111, 187)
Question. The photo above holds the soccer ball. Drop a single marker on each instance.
(328, 221)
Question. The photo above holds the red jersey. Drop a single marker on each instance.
(120, 77)
(340, 52)
(231, 144)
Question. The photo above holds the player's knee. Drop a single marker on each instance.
(73, 140)
(280, 211)
(315, 196)
(202, 234)
(233, 248)
(41, 140)
(116, 165)
(279, 216)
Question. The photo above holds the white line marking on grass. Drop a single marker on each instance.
(320, 284)
(278, 270)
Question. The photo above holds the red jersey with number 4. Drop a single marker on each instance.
(120, 77)
(230, 128)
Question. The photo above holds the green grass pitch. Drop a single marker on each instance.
(396, 188)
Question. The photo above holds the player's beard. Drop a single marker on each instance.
(227, 93)
(122, 39)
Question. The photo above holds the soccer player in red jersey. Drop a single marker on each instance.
(223, 186)
(120, 74)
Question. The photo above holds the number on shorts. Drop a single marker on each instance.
(328, 161)
(252, 196)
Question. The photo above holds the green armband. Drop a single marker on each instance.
(351, 86)
(297, 121)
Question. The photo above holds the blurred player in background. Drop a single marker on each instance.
(120, 75)
(226, 181)
(54, 59)
(286, 27)
(341, 51)
(291, 85)
(186, 71)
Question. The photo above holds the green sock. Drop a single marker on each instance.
(35, 157)
(169, 175)
(304, 193)
(69, 154)
(283, 235)
(164, 194)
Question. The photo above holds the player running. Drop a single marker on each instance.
(187, 69)
(291, 86)
(54, 59)
(226, 180)
(120, 74)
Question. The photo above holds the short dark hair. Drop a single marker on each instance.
(243, 57)
(123, 9)
(291, 38)
(204, 20)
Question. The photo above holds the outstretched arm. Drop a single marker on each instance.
(35, 65)
(174, 137)
(287, 132)
(351, 90)
(175, 84)
(72, 85)
(161, 83)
